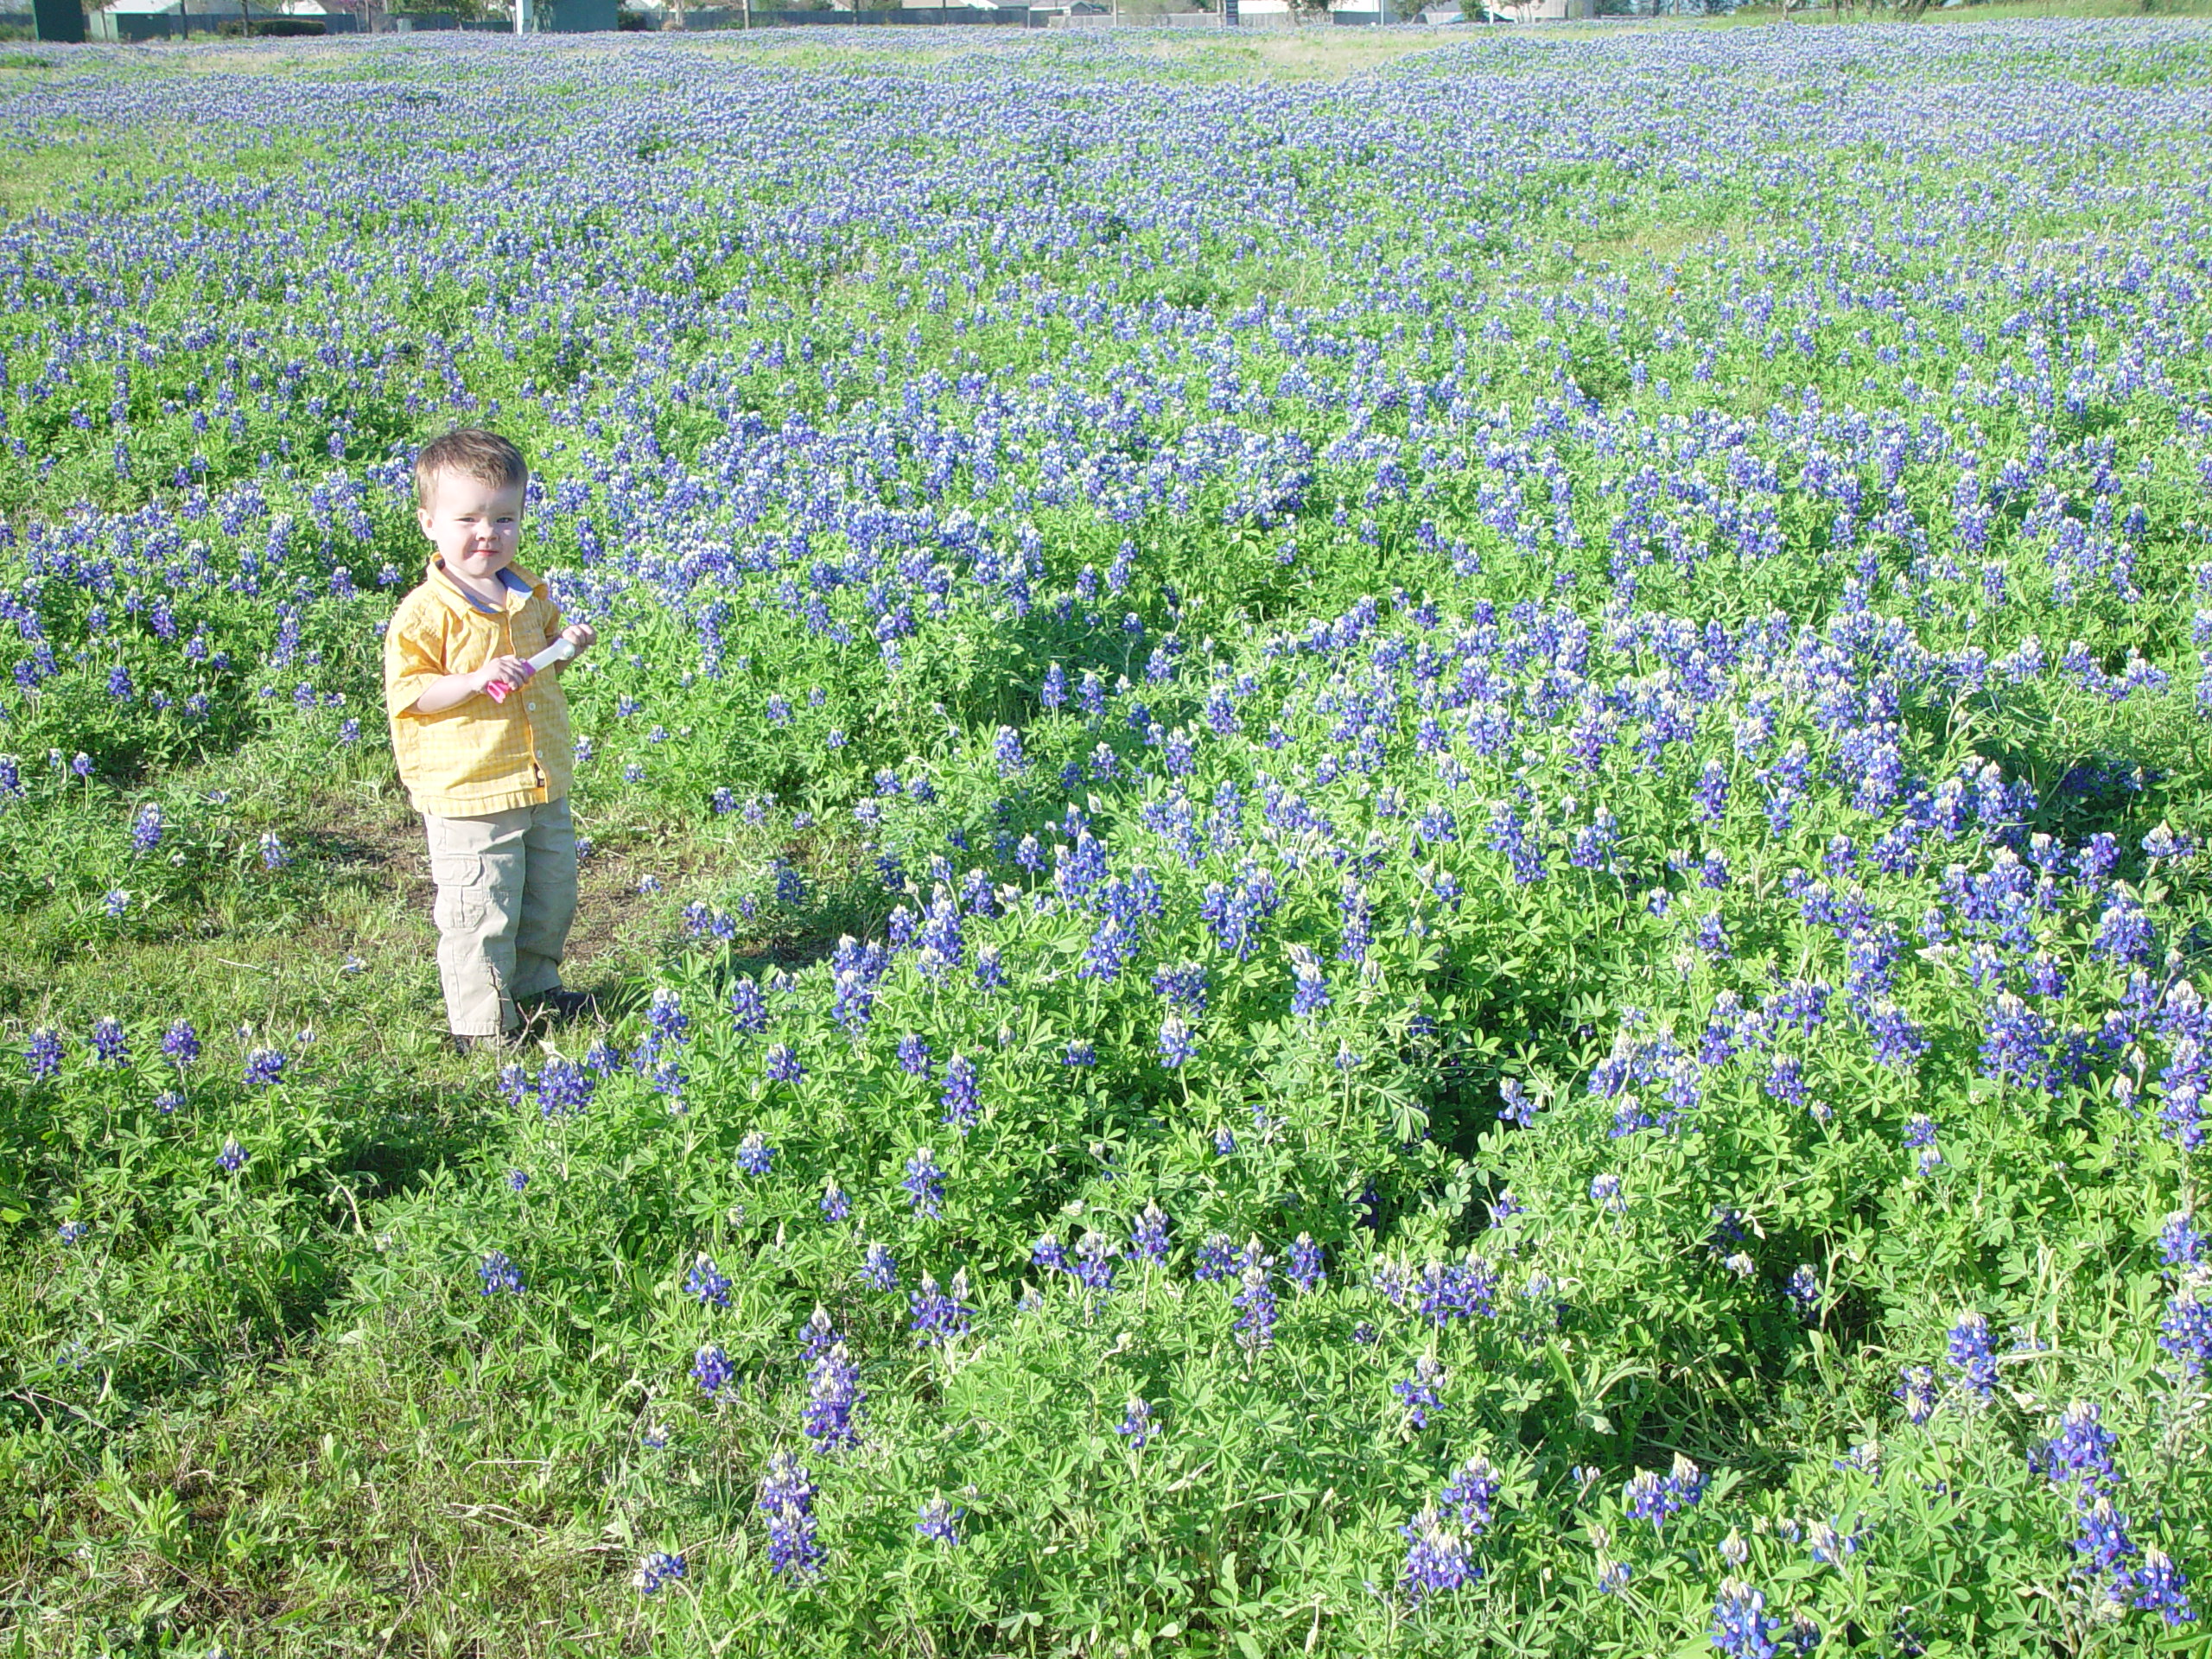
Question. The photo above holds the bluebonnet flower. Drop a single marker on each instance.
(500, 1275)
(1470, 1495)
(1968, 1353)
(1712, 797)
(2124, 934)
(180, 1045)
(1079, 1053)
(937, 1522)
(711, 1370)
(878, 1269)
(1177, 1043)
(1804, 1290)
(1304, 1271)
(1920, 1132)
(73, 1232)
(273, 857)
(655, 1570)
(116, 903)
(666, 1023)
(1225, 1142)
(146, 830)
(1593, 844)
(1802, 1003)
(1916, 1391)
(2180, 1245)
(264, 1067)
(2079, 1456)
(748, 1009)
(1741, 1629)
(834, 1395)
(563, 1088)
(1518, 1106)
(913, 1055)
(1236, 913)
(836, 1206)
(43, 1054)
(1605, 1192)
(1830, 1547)
(1005, 749)
(232, 1158)
(706, 1283)
(818, 1336)
(787, 1493)
(1148, 1236)
(2185, 1330)
(1657, 1498)
(2162, 1587)
(1256, 1301)
(2015, 1043)
(924, 1183)
(1216, 1258)
(1047, 1254)
(781, 1063)
(1182, 987)
(167, 1101)
(754, 1154)
(2103, 1546)
(518, 1179)
(1310, 988)
(1898, 1042)
(1135, 1426)
(109, 1044)
(1094, 1266)
(990, 976)
(962, 1098)
(1419, 1392)
(1509, 833)
(938, 1317)
(791, 886)
(1436, 1557)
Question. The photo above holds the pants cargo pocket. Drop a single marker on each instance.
(464, 898)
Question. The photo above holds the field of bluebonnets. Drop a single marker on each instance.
(1405, 864)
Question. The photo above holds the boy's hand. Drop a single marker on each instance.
(580, 635)
(513, 670)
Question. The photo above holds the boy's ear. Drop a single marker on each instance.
(423, 517)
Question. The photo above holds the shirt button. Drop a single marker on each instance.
(530, 707)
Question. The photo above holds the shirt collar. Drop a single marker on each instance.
(521, 585)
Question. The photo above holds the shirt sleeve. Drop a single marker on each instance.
(414, 655)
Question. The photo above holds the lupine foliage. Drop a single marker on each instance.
(1469, 905)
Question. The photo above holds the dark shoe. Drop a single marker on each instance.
(487, 1045)
(564, 1004)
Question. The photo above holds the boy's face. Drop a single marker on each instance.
(476, 526)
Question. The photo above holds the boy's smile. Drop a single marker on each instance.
(476, 527)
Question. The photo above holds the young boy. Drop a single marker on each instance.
(490, 777)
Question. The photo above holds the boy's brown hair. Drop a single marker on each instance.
(473, 453)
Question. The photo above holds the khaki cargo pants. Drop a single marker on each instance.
(506, 894)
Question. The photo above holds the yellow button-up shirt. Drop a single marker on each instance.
(478, 757)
